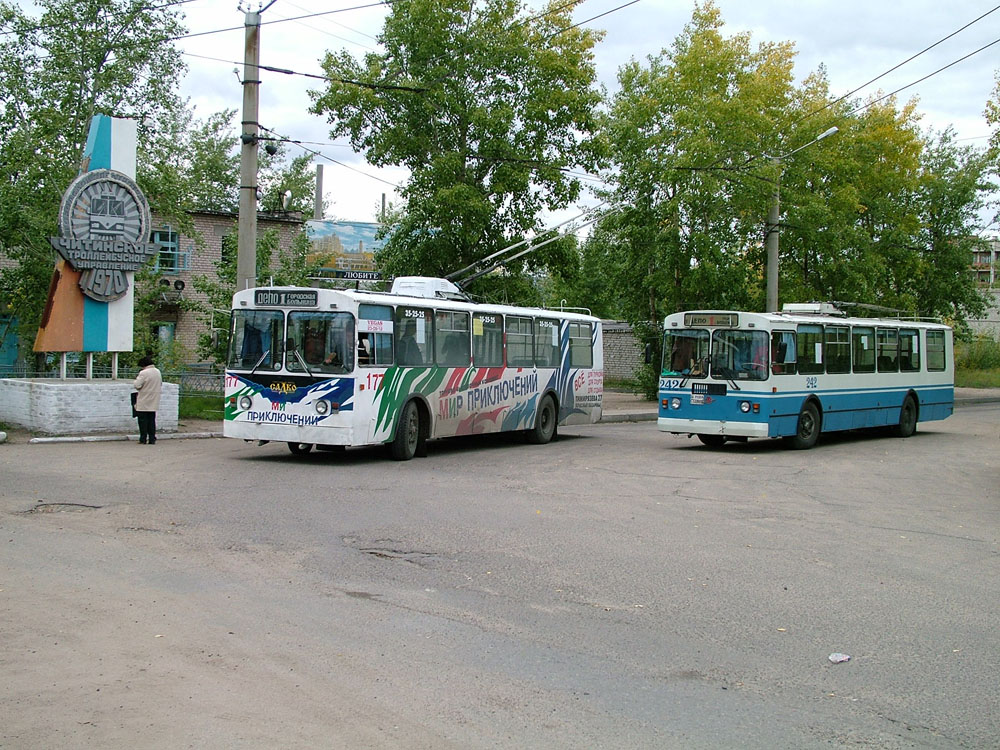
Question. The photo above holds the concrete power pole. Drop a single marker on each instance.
(246, 254)
(318, 200)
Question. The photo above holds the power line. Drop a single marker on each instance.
(73, 22)
(593, 18)
(314, 152)
(921, 80)
(317, 76)
(896, 67)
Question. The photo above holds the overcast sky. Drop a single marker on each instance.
(856, 40)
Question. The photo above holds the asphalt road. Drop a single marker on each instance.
(619, 588)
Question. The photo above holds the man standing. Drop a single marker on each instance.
(149, 383)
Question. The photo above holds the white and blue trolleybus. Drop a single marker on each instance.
(331, 368)
(796, 374)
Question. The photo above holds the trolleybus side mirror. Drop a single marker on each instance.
(649, 354)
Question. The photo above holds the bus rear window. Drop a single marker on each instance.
(581, 353)
(935, 351)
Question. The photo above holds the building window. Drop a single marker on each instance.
(164, 333)
(170, 259)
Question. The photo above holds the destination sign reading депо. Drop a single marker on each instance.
(286, 298)
(727, 320)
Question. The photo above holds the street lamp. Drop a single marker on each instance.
(772, 223)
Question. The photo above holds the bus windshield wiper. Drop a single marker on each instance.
(302, 362)
(262, 358)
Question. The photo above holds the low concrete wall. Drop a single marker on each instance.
(79, 406)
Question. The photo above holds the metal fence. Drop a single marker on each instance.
(195, 380)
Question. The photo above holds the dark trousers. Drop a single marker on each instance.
(147, 426)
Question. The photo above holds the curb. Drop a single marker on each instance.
(123, 438)
(627, 417)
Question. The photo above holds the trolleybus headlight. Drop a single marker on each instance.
(675, 403)
(322, 407)
(245, 403)
(745, 407)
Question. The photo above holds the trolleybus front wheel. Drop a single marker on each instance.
(807, 431)
(407, 440)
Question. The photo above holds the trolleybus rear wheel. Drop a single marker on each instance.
(713, 441)
(300, 449)
(907, 418)
(545, 422)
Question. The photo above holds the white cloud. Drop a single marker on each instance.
(855, 39)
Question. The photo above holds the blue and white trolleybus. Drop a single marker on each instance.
(809, 369)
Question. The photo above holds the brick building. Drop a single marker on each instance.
(183, 258)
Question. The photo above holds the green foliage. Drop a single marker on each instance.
(284, 268)
(59, 68)
(506, 105)
(979, 353)
(200, 406)
(687, 232)
(706, 134)
(297, 178)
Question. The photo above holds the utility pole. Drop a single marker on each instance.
(773, 228)
(318, 200)
(246, 253)
(773, 217)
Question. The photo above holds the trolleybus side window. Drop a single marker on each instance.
(685, 353)
(487, 340)
(320, 342)
(581, 353)
(887, 354)
(783, 359)
(519, 342)
(546, 342)
(810, 345)
(838, 349)
(909, 350)
(739, 355)
(935, 351)
(374, 335)
(413, 336)
(451, 334)
(255, 341)
(863, 348)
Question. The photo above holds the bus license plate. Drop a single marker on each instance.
(697, 398)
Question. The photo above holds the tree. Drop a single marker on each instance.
(74, 60)
(487, 108)
(680, 132)
(953, 181)
(285, 268)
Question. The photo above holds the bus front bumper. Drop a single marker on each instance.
(712, 427)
